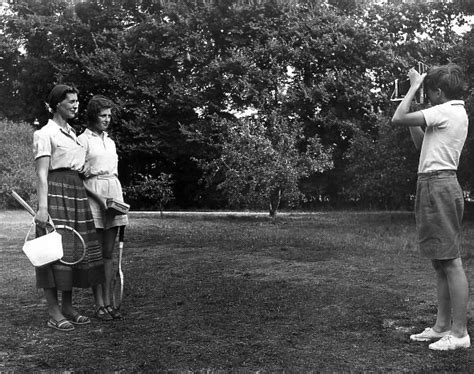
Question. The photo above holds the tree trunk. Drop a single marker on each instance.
(275, 198)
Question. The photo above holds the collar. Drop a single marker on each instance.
(89, 132)
(66, 131)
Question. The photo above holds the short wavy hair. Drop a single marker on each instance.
(58, 93)
(96, 104)
(449, 78)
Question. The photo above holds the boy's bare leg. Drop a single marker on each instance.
(459, 294)
(443, 317)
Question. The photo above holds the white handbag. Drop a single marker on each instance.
(44, 249)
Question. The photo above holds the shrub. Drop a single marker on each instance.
(16, 163)
(150, 192)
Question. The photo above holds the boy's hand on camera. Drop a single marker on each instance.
(416, 79)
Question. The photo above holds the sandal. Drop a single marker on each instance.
(62, 325)
(102, 314)
(114, 312)
(77, 319)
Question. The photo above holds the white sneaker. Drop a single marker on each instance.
(450, 342)
(427, 335)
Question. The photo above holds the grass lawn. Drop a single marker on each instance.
(325, 292)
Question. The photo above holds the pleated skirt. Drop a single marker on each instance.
(68, 205)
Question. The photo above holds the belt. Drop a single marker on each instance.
(103, 176)
(435, 173)
(62, 170)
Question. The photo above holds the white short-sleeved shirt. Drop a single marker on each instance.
(445, 134)
(102, 176)
(101, 156)
(60, 145)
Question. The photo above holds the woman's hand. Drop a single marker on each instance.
(41, 217)
(102, 201)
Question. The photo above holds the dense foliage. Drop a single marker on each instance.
(16, 167)
(315, 78)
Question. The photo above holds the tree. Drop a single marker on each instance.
(262, 159)
(382, 170)
(125, 50)
(381, 163)
(177, 68)
(465, 56)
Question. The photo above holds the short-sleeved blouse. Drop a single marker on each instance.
(102, 156)
(61, 145)
(102, 176)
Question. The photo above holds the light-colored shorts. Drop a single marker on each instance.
(107, 186)
(439, 208)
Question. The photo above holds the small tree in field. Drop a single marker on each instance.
(262, 161)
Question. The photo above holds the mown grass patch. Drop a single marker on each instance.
(324, 292)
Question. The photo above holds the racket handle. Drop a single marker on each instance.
(121, 233)
(23, 203)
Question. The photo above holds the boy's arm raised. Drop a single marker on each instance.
(403, 116)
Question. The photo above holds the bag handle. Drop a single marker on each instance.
(48, 223)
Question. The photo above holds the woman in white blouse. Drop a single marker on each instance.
(101, 178)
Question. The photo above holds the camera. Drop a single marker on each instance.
(401, 87)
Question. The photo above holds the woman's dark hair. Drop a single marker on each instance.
(96, 104)
(449, 78)
(58, 94)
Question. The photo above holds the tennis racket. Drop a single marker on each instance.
(117, 281)
(74, 247)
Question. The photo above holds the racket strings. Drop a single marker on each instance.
(73, 245)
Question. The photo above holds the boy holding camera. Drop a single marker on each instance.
(440, 132)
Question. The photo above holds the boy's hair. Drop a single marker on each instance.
(449, 78)
(95, 105)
